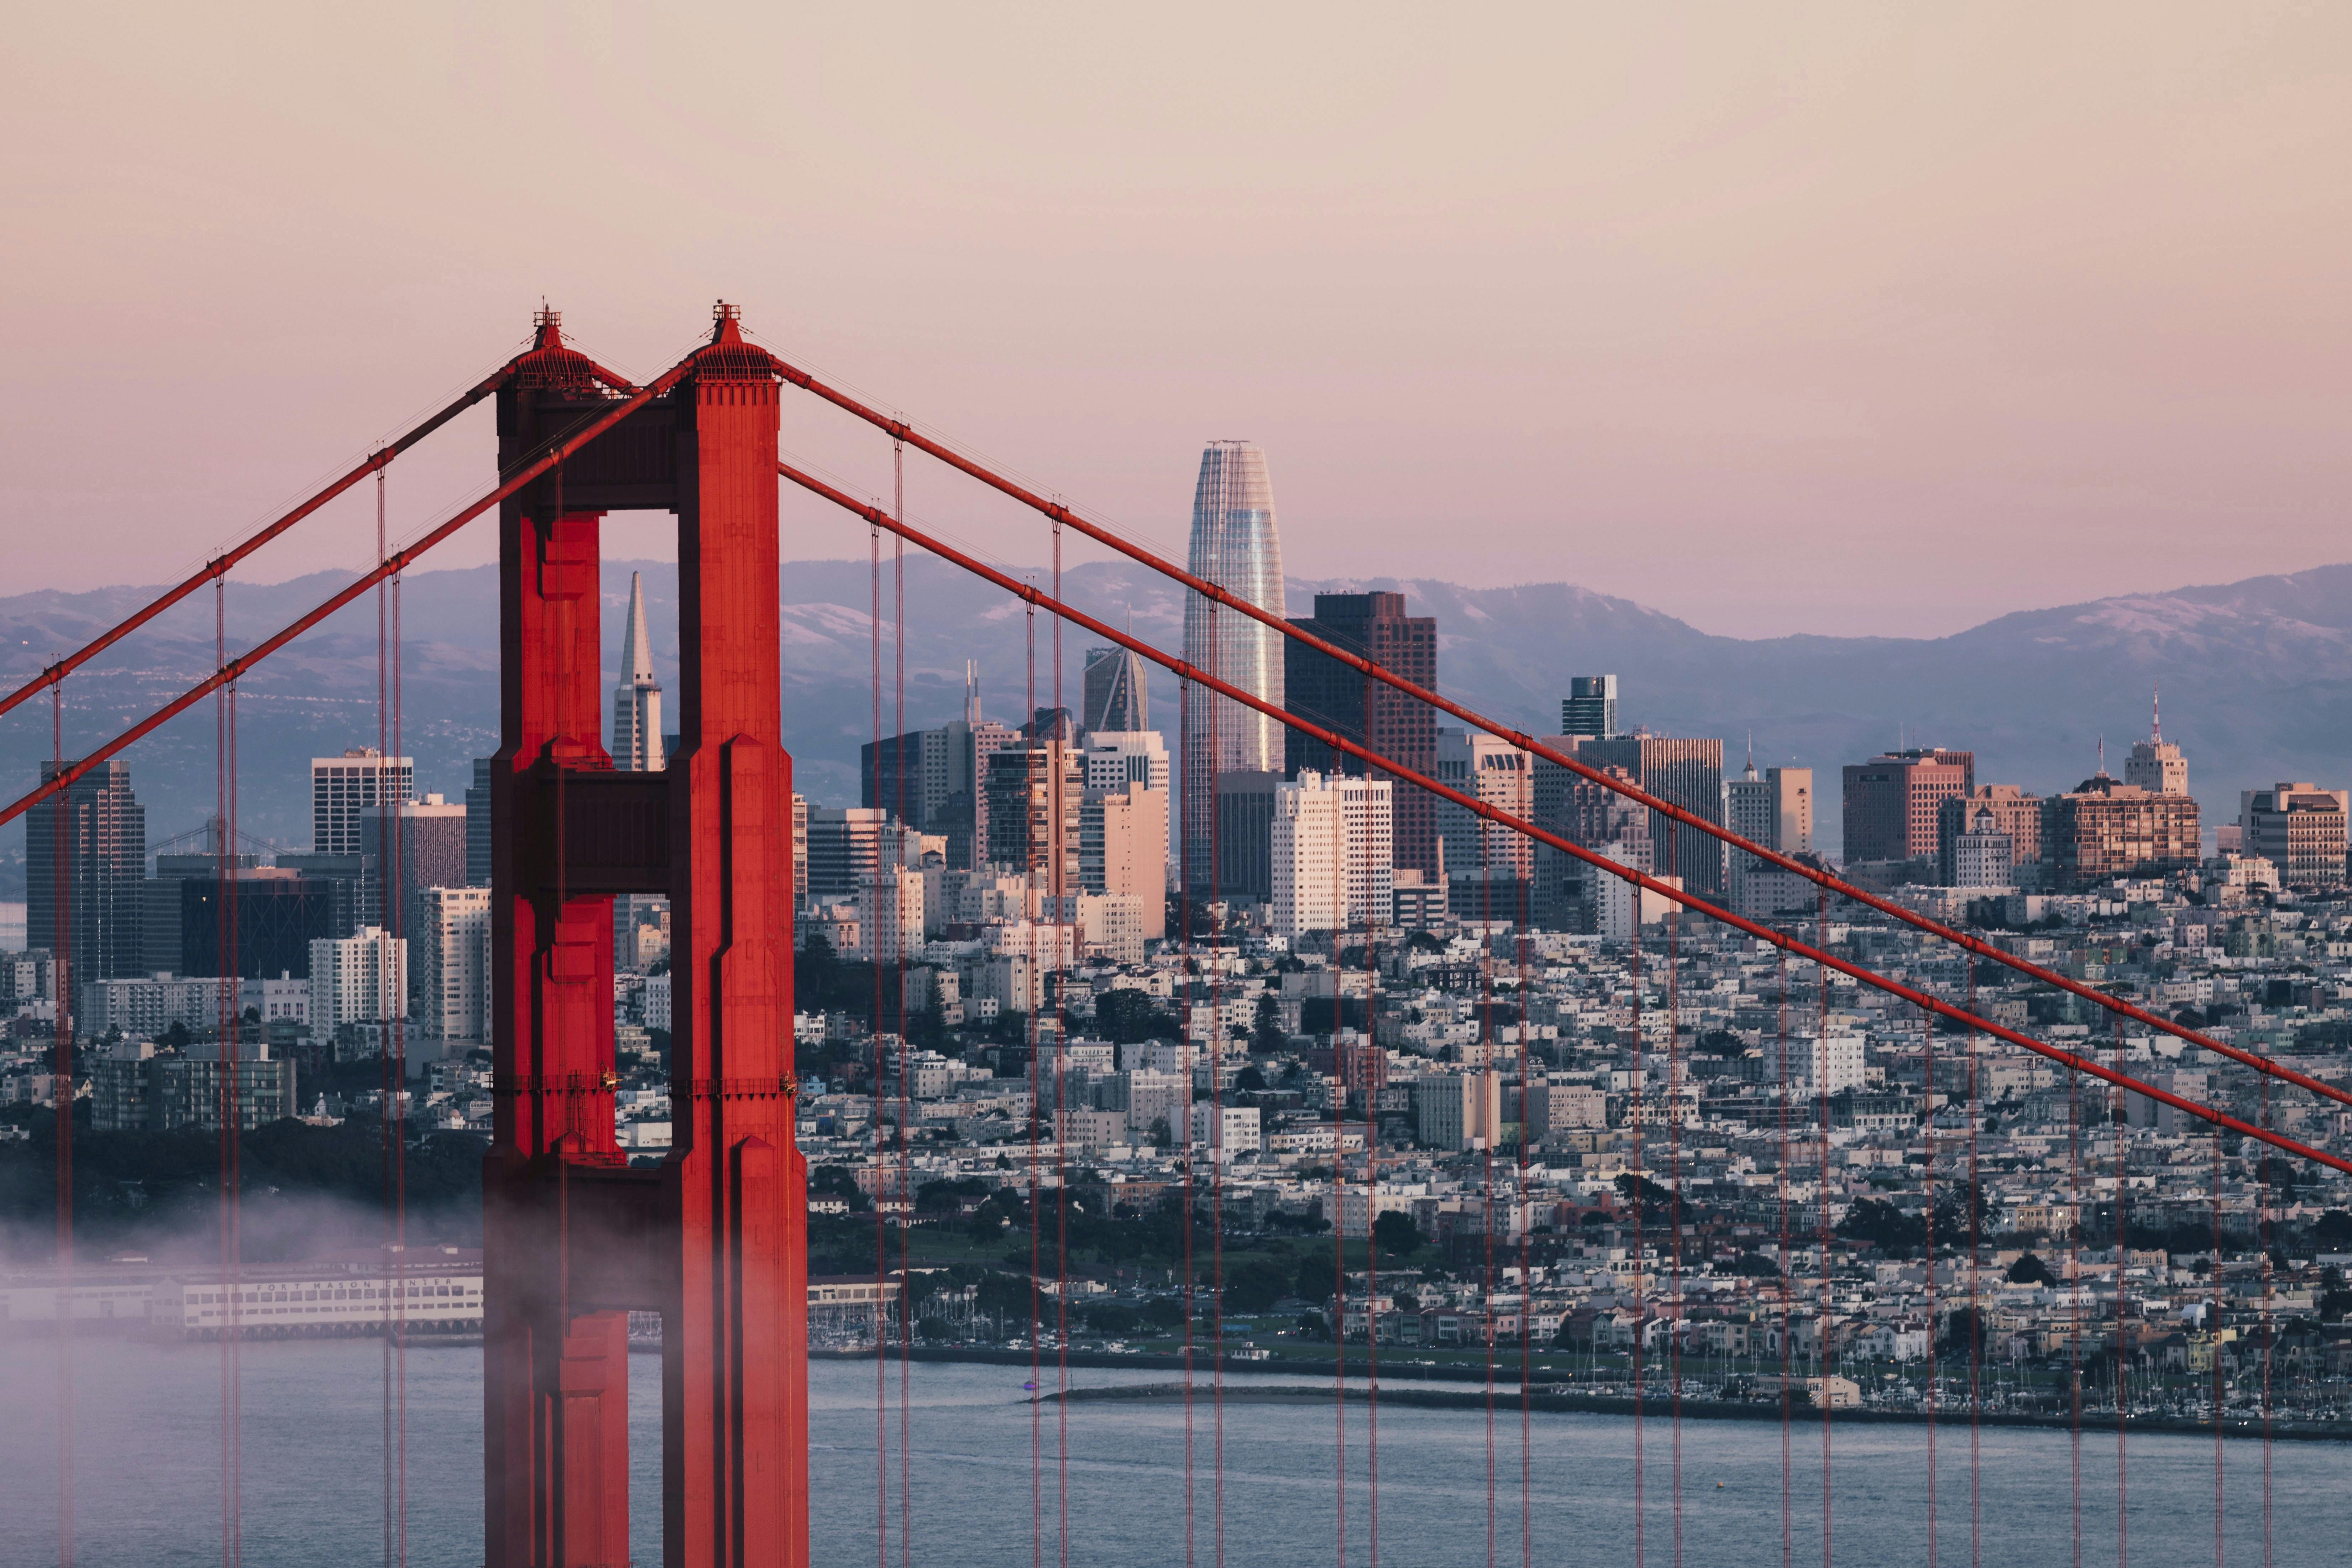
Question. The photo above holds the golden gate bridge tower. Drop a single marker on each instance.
(575, 1239)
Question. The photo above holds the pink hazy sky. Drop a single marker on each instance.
(1843, 318)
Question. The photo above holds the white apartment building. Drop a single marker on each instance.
(1227, 1130)
(889, 915)
(452, 998)
(1334, 853)
(146, 1007)
(1153, 1096)
(1841, 1057)
(358, 979)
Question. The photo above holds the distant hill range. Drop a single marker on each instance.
(2256, 680)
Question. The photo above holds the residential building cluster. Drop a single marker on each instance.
(1566, 1099)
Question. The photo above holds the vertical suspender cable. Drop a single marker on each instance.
(884, 1191)
(899, 942)
(2212, 1337)
(1638, 1166)
(2074, 1308)
(2119, 1125)
(1370, 1074)
(1788, 1352)
(1029, 1004)
(1935, 1325)
(1339, 1284)
(2262, 1238)
(1184, 915)
(387, 1087)
(1822, 1345)
(1675, 1186)
(1058, 879)
(231, 1130)
(61, 1095)
(1216, 1186)
(1487, 1146)
(1527, 1225)
(1975, 1294)
(395, 822)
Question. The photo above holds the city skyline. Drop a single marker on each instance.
(2097, 679)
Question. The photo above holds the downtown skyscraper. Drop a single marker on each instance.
(1318, 686)
(638, 697)
(1234, 545)
(84, 856)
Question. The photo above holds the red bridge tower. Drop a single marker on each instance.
(575, 1238)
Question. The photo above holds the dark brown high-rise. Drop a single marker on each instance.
(1321, 689)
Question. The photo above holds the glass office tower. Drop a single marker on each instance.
(1235, 546)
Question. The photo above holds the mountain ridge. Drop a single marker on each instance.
(2252, 673)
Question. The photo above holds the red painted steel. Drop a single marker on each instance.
(712, 1238)
(1390, 766)
(901, 431)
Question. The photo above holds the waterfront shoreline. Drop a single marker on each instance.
(1549, 1398)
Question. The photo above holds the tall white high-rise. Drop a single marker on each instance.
(1334, 853)
(451, 979)
(1235, 546)
(637, 696)
(358, 979)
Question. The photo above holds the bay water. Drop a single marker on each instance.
(988, 1479)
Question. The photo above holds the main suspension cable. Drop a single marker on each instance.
(217, 569)
(386, 567)
(1520, 740)
(1398, 770)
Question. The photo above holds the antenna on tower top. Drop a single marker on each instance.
(2155, 702)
